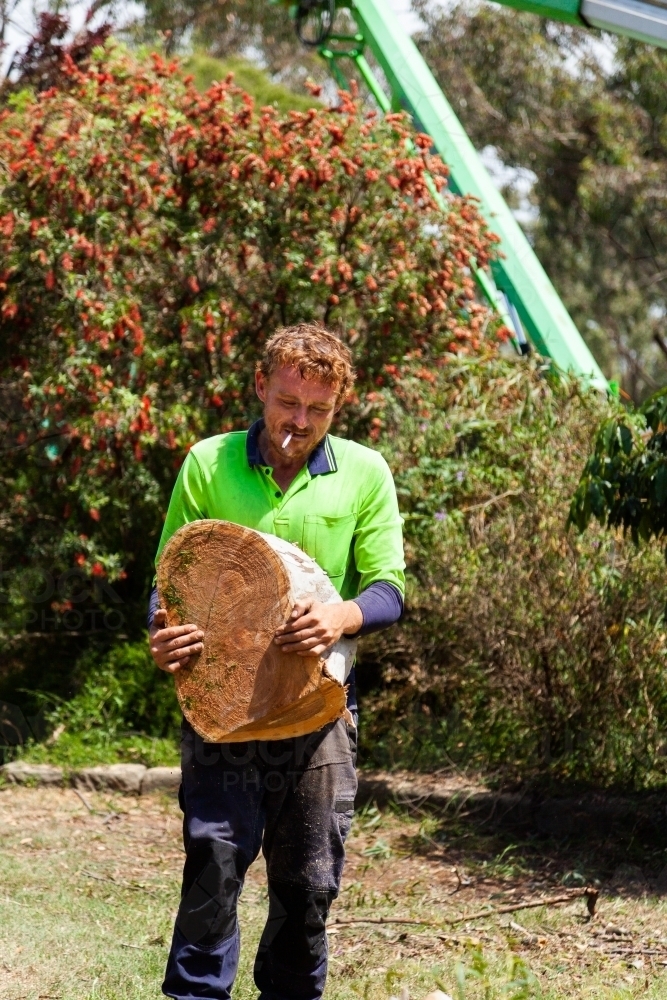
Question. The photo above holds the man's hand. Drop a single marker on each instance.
(313, 627)
(171, 648)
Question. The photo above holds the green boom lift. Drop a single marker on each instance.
(518, 287)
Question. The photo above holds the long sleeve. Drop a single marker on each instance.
(381, 605)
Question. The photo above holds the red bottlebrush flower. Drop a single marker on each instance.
(94, 513)
(423, 141)
(79, 559)
(50, 280)
(98, 569)
(193, 284)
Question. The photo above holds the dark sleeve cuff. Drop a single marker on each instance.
(381, 605)
(153, 605)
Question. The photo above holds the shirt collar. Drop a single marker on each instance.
(320, 461)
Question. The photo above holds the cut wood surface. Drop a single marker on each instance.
(238, 586)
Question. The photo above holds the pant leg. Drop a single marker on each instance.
(306, 825)
(222, 800)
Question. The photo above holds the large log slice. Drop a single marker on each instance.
(238, 586)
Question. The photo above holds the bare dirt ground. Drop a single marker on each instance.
(89, 889)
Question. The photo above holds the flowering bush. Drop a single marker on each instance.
(151, 238)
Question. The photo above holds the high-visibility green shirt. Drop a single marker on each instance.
(341, 508)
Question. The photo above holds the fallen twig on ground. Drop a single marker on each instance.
(385, 920)
(113, 881)
(86, 804)
(631, 951)
(523, 931)
(589, 894)
(463, 883)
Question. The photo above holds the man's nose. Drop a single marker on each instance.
(301, 418)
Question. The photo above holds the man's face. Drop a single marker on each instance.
(294, 405)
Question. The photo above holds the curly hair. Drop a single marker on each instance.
(314, 352)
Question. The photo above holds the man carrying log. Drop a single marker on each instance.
(291, 798)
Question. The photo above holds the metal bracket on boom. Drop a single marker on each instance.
(314, 20)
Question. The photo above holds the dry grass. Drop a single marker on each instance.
(88, 900)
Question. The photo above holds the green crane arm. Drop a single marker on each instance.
(522, 290)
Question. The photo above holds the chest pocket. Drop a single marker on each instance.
(327, 540)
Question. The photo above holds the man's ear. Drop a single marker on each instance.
(260, 385)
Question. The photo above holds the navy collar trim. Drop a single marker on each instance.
(321, 460)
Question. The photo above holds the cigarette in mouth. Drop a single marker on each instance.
(287, 440)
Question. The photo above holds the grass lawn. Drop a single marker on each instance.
(88, 898)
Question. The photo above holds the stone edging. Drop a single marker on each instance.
(131, 779)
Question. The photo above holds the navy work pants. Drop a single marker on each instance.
(293, 799)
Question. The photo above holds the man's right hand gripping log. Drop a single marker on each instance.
(292, 798)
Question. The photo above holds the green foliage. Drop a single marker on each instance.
(624, 483)
(475, 968)
(125, 709)
(207, 70)
(526, 649)
(258, 24)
